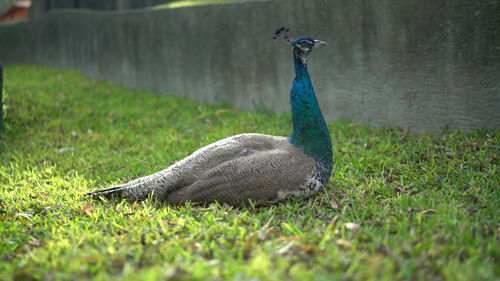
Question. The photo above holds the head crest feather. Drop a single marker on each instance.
(282, 33)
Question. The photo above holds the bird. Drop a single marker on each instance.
(250, 167)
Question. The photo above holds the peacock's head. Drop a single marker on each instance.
(303, 44)
(307, 44)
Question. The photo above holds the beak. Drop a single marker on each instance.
(319, 42)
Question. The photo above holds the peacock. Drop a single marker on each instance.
(261, 168)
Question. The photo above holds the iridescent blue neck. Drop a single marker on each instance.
(310, 132)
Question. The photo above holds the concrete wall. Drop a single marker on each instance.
(40, 7)
(417, 64)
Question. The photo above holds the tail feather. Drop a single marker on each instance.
(136, 190)
(108, 192)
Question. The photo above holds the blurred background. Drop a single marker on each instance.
(418, 65)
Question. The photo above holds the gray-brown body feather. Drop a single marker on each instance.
(259, 167)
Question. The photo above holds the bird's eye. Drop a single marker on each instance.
(307, 44)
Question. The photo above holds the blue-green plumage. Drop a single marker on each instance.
(310, 132)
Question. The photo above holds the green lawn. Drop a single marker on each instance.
(398, 206)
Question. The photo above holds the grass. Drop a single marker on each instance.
(398, 206)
